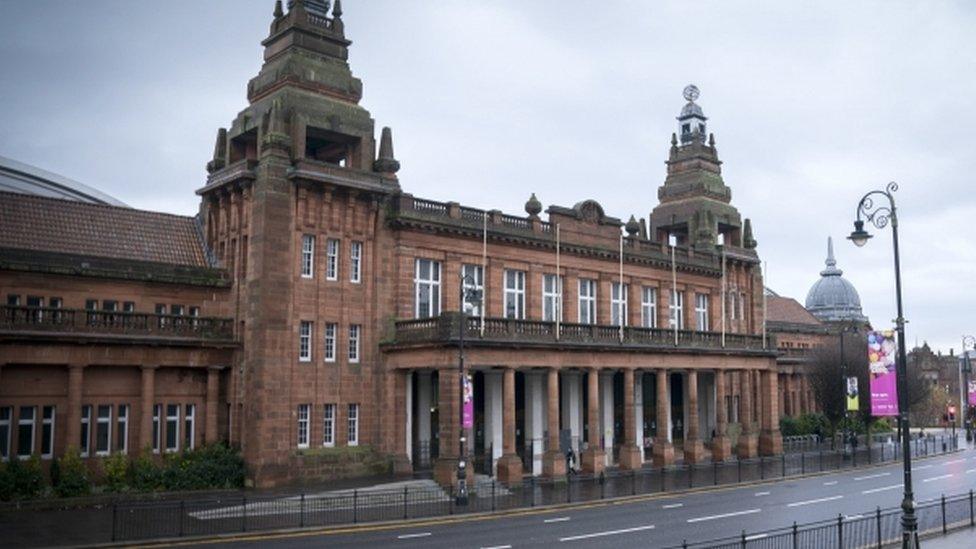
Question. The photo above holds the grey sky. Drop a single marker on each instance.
(812, 105)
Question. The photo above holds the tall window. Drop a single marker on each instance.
(733, 309)
(5, 412)
(701, 312)
(356, 262)
(303, 425)
(514, 294)
(13, 300)
(474, 279)
(130, 307)
(331, 259)
(308, 255)
(84, 443)
(176, 310)
(172, 427)
(122, 429)
(330, 342)
(353, 438)
(189, 425)
(157, 432)
(354, 333)
(103, 430)
(47, 432)
(427, 288)
(587, 301)
(676, 310)
(552, 304)
(328, 425)
(742, 305)
(618, 304)
(649, 307)
(25, 431)
(304, 341)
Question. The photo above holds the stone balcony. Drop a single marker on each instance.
(444, 330)
(46, 323)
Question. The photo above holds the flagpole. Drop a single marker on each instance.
(765, 272)
(620, 293)
(724, 296)
(559, 288)
(674, 288)
(484, 269)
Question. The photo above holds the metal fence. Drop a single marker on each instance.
(247, 512)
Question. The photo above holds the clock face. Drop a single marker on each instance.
(691, 92)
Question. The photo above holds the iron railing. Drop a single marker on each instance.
(51, 320)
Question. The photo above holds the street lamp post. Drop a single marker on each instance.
(848, 428)
(470, 295)
(880, 216)
(967, 368)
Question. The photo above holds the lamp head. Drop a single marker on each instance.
(859, 236)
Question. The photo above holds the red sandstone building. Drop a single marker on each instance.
(309, 313)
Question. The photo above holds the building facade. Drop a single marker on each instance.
(311, 313)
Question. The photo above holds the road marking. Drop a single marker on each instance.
(954, 461)
(608, 533)
(672, 506)
(498, 547)
(558, 519)
(831, 483)
(970, 471)
(853, 517)
(879, 475)
(410, 536)
(940, 477)
(724, 515)
(812, 501)
(755, 537)
(757, 494)
(922, 467)
(875, 490)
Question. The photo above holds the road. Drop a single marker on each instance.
(661, 520)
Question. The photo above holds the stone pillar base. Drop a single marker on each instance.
(402, 466)
(594, 461)
(510, 469)
(770, 443)
(748, 446)
(663, 454)
(721, 448)
(694, 451)
(554, 465)
(630, 457)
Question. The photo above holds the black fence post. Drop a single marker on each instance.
(821, 460)
(355, 504)
(840, 530)
(183, 511)
(762, 469)
(796, 536)
(115, 514)
(405, 503)
(803, 463)
(943, 516)
(783, 457)
(877, 520)
(972, 517)
(633, 482)
(531, 490)
(714, 473)
(743, 539)
(493, 483)
(691, 475)
(301, 518)
(603, 482)
(662, 479)
(738, 461)
(244, 513)
(569, 491)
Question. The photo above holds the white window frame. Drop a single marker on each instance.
(733, 309)
(32, 423)
(514, 294)
(308, 256)
(175, 421)
(157, 441)
(356, 262)
(122, 428)
(676, 309)
(303, 425)
(432, 284)
(477, 274)
(332, 259)
(701, 312)
(84, 446)
(329, 341)
(305, 341)
(552, 303)
(742, 305)
(355, 335)
(48, 422)
(587, 301)
(189, 426)
(352, 436)
(619, 309)
(649, 307)
(6, 415)
(328, 425)
(105, 421)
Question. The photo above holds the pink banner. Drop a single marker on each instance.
(882, 349)
(972, 393)
(467, 413)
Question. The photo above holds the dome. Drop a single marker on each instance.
(833, 298)
(691, 109)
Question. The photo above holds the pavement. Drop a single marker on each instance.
(960, 539)
(663, 520)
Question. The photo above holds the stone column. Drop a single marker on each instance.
(639, 413)
(804, 395)
(76, 377)
(770, 439)
(594, 458)
(509, 465)
(694, 449)
(445, 468)
(787, 395)
(213, 403)
(663, 449)
(403, 391)
(747, 446)
(535, 417)
(630, 454)
(425, 390)
(554, 463)
(721, 445)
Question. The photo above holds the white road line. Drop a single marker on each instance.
(879, 475)
(724, 515)
(557, 519)
(954, 461)
(970, 471)
(409, 536)
(755, 537)
(940, 477)
(922, 467)
(498, 547)
(876, 490)
(672, 506)
(831, 483)
(812, 501)
(608, 533)
(852, 517)
(757, 494)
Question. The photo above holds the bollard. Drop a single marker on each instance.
(943, 516)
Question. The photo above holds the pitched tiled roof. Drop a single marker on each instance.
(788, 310)
(43, 224)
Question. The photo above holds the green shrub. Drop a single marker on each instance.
(6, 483)
(881, 425)
(788, 426)
(144, 474)
(116, 470)
(72, 477)
(211, 466)
(25, 479)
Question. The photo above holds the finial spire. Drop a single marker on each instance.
(831, 263)
(385, 161)
(278, 10)
(337, 10)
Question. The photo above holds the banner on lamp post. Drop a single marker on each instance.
(853, 402)
(467, 409)
(882, 349)
(972, 393)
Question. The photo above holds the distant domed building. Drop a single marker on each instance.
(833, 298)
(17, 177)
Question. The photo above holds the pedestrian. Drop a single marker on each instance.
(569, 461)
